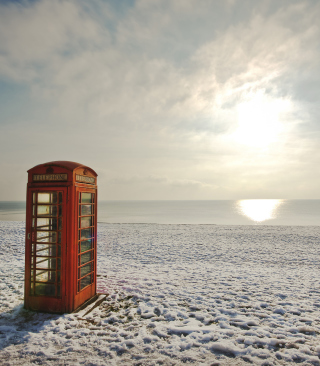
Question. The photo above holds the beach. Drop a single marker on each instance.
(178, 294)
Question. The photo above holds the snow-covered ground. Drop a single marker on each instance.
(179, 294)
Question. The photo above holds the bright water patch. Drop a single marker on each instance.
(259, 210)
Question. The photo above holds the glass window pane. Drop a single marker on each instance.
(86, 234)
(33, 198)
(86, 210)
(45, 210)
(46, 263)
(85, 282)
(47, 250)
(43, 222)
(85, 245)
(46, 237)
(47, 223)
(51, 197)
(44, 289)
(43, 197)
(86, 197)
(47, 276)
(85, 270)
(86, 221)
(85, 258)
(60, 197)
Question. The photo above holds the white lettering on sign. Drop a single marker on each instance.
(49, 177)
(83, 179)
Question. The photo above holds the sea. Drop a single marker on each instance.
(216, 212)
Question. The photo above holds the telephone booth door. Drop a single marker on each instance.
(46, 227)
(86, 245)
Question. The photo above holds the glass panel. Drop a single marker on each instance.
(85, 258)
(44, 289)
(60, 211)
(46, 250)
(33, 222)
(86, 210)
(60, 197)
(31, 288)
(47, 276)
(59, 238)
(85, 270)
(33, 198)
(47, 197)
(85, 245)
(86, 197)
(47, 224)
(44, 210)
(46, 236)
(43, 222)
(31, 275)
(33, 210)
(46, 263)
(86, 234)
(44, 197)
(85, 282)
(86, 221)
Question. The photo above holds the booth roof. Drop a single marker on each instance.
(70, 165)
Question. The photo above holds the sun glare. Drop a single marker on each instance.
(259, 210)
(259, 120)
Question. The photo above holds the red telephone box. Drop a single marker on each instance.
(61, 236)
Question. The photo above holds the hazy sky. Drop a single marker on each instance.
(168, 99)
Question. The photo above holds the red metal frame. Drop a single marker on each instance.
(71, 179)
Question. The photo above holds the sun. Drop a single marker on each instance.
(259, 120)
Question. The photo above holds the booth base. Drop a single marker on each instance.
(91, 304)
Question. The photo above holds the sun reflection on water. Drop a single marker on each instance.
(259, 210)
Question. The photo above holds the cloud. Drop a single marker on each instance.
(153, 89)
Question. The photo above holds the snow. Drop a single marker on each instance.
(179, 294)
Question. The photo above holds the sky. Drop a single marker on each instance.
(164, 99)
